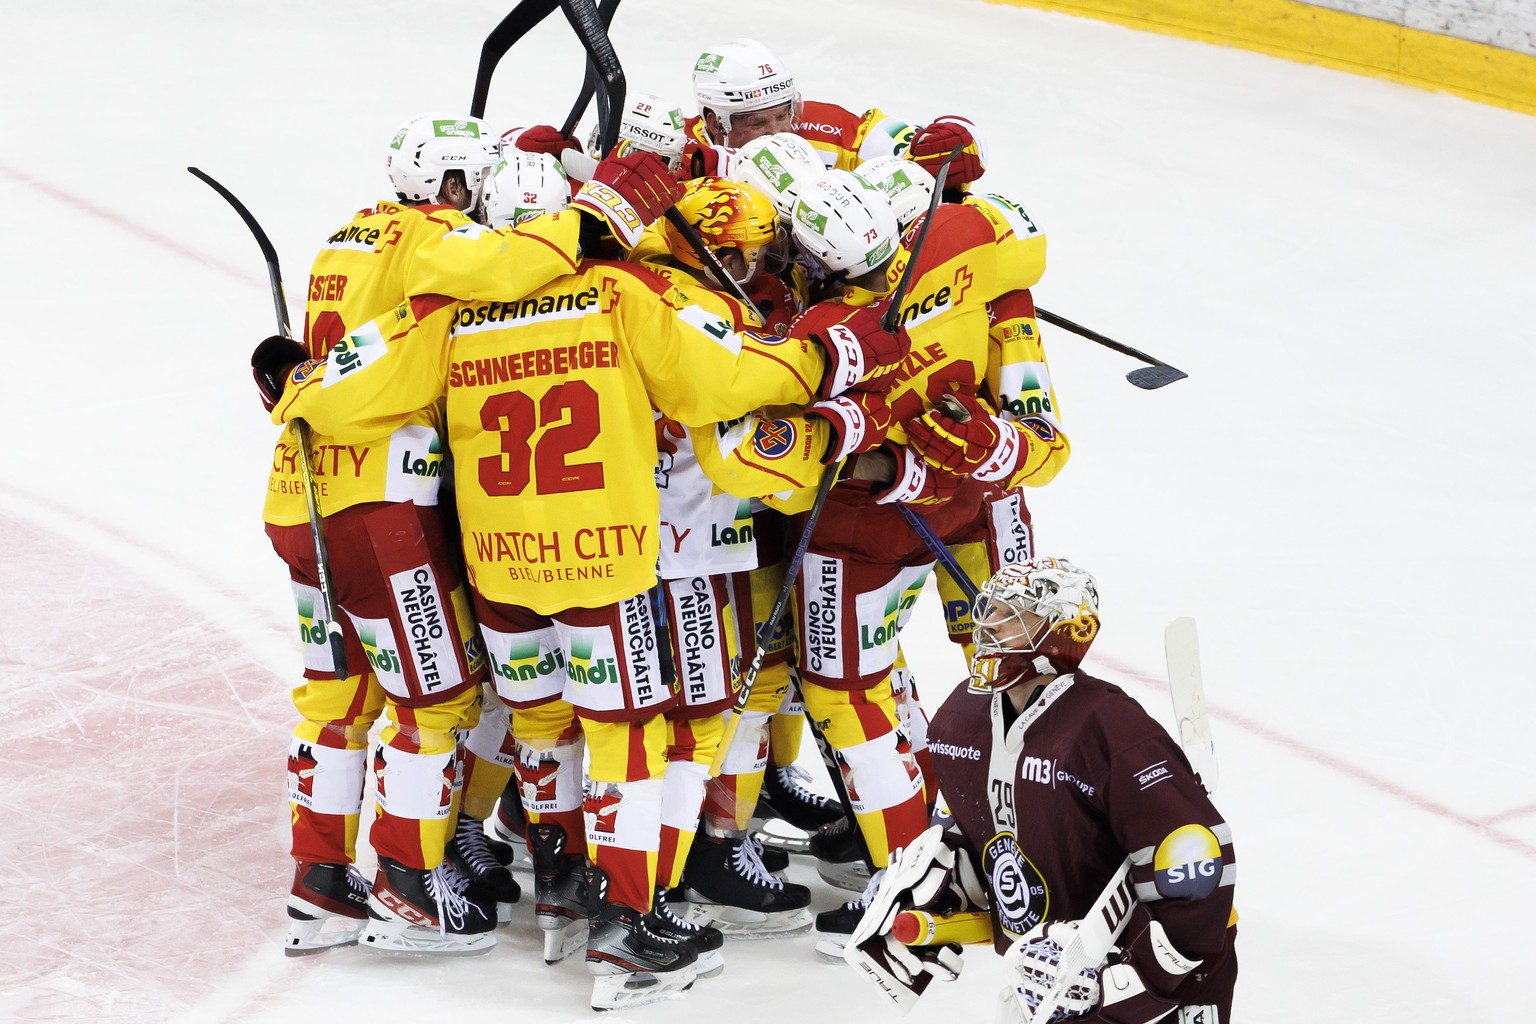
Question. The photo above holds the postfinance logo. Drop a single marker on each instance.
(1187, 864)
(899, 602)
(586, 669)
(528, 661)
(383, 659)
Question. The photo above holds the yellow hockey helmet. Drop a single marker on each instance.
(727, 215)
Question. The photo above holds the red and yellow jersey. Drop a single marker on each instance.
(384, 254)
(842, 138)
(1019, 385)
(548, 399)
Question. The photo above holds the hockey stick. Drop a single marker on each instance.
(1096, 934)
(518, 23)
(606, 11)
(1149, 378)
(306, 471)
(893, 315)
(1182, 645)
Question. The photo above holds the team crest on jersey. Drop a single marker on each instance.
(306, 370)
(1187, 864)
(1040, 428)
(1019, 893)
(764, 339)
(774, 439)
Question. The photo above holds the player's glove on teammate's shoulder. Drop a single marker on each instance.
(861, 354)
(629, 192)
(271, 364)
(936, 140)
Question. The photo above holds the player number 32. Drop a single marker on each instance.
(514, 416)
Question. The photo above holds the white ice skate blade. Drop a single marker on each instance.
(853, 876)
(306, 938)
(414, 940)
(561, 942)
(710, 964)
(778, 834)
(751, 924)
(624, 990)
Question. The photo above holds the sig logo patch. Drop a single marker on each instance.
(1187, 864)
(774, 439)
(1021, 896)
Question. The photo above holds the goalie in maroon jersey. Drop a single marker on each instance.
(1055, 778)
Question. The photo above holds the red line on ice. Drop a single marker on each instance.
(1483, 827)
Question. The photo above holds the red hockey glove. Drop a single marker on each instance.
(958, 434)
(861, 354)
(271, 363)
(936, 140)
(859, 422)
(628, 192)
(918, 483)
(543, 138)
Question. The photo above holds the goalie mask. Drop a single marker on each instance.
(427, 147)
(727, 215)
(1035, 618)
(523, 186)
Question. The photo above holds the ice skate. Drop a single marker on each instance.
(471, 854)
(559, 894)
(630, 964)
(427, 912)
(833, 927)
(841, 855)
(789, 811)
(706, 940)
(730, 889)
(510, 828)
(327, 907)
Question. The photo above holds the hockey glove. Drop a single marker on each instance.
(541, 138)
(1036, 960)
(932, 143)
(958, 435)
(629, 192)
(918, 483)
(271, 363)
(861, 354)
(859, 421)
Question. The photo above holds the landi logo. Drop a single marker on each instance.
(529, 661)
(586, 669)
(383, 659)
(899, 602)
(740, 530)
(311, 627)
(455, 130)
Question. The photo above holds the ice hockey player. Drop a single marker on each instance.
(560, 524)
(744, 92)
(709, 554)
(413, 648)
(1087, 779)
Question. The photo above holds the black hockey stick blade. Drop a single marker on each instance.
(1150, 378)
(268, 250)
(518, 23)
(592, 30)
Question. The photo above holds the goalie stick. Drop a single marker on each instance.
(1098, 931)
(301, 429)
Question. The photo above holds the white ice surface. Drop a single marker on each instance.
(1346, 268)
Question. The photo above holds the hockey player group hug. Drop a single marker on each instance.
(565, 420)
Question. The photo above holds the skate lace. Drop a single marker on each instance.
(795, 781)
(469, 837)
(448, 887)
(747, 859)
(862, 903)
(357, 883)
(673, 918)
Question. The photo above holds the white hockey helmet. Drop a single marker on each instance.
(845, 224)
(524, 185)
(1045, 608)
(908, 186)
(780, 166)
(739, 77)
(650, 125)
(428, 146)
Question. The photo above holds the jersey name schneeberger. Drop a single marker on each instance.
(539, 362)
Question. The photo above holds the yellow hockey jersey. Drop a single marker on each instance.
(548, 399)
(382, 255)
